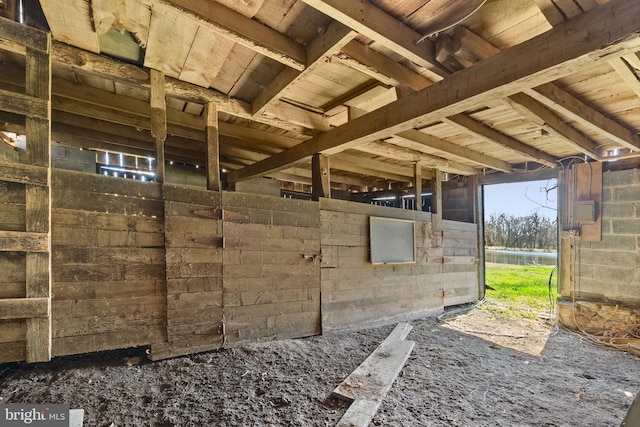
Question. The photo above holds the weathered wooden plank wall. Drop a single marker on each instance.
(194, 253)
(271, 268)
(108, 263)
(184, 270)
(459, 262)
(13, 268)
(356, 294)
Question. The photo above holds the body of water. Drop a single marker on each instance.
(520, 257)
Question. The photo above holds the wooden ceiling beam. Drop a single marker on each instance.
(468, 125)
(393, 151)
(613, 32)
(374, 23)
(325, 45)
(86, 62)
(528, 106)
(371, 167)
(243, 30)
(381, 67)
(303, 175)
(628, 68)
(472, 48)
(569, 106)
(449, 148)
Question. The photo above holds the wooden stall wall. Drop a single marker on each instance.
(108, 263)
(184, 270)
(13, 268)
(271, 268)
(459, 262)
(193, 241)
(356, 293)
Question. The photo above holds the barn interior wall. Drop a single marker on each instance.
(356, 293)
(183, 269)
(603, 289)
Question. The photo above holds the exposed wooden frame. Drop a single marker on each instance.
(453, 149)
(469, 125)
(628, 68)
(323, 46)
(531, 108)
(212, 148)
(158, 105)
(566, 104)
(245, 31)
(320, 177)
(613, 33)
(368, 20)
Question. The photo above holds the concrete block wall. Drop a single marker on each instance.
(609, 270)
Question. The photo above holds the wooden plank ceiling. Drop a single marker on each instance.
(464, 86)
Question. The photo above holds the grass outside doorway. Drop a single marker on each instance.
(520, 290)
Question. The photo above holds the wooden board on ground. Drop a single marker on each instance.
(370, 382)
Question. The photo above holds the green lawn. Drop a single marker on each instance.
(519, 290)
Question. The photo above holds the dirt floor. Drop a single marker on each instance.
(477, 368)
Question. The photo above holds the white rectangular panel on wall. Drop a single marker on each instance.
(392, 241)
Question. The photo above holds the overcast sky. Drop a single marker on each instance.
(521, 199)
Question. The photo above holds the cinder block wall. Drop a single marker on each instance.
(607, 273)
(610, 269)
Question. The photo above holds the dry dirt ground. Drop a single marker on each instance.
(477, 368)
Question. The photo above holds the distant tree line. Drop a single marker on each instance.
(533, 231)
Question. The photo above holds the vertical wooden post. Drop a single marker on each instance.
(564, 253)
(479, 214)
(436, 200)
(158, 120)
(417, 186)
(213, 148)
(38, 206)
(320, 177)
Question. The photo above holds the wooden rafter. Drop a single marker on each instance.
(566, 104)
(323, 46)
(613, 33)
(468, 125)
(453, 149)
(367, 19)
(87, 62)
(628, 68)
(533, 109)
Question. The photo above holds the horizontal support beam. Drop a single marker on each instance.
(24, 308)
(24, 36)
(25, 105)
(24, 174)
(454, 149)
(20, 241)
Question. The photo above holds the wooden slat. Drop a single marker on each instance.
(23, 104)
(24, 36)
(16, 241)
(24, 308)
(22, 173)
